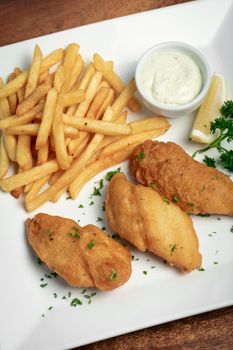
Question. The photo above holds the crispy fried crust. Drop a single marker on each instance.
(141, 216)
(193, 186)
(83, 256)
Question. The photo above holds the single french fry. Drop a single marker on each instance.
(94, 168)
(82, 85)
(59, 137)
(47, 118)
(17, 191)
(124, 97)
(34, 72)
(24, 119)
(90, 94)
(90, 149)
(58, 195)
(107, 102)
(103, 84)
(43, 76)
(69, 63)
(76, 148)
(59, 78)
(97, 126)
(76, 72)
(42, 154)
(124, 141)
(33, 99)
(23, 152)
(53, 178)
(114, 80)
(21, 91)
(97, 102)
(33, 129)
(13, 97)
(20, 80)
(4, 159)
(73, 97)
(36, 187)
(10, 183)
(150, 123)
(10, 141)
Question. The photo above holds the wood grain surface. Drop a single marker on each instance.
(24, 19)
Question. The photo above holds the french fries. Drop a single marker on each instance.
(62, 127)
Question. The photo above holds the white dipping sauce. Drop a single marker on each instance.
(171, 78)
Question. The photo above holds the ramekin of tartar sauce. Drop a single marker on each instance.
(172, 78)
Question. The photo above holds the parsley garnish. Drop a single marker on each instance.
(231, 230)
(101, 184)
(165, 200)
(91, 203)
(201, 269)
(81, 206)
(96, 192)
(224, 125)
(203, 215)
(134, 259)
(38, 260)
(103, 206)
(144, 272)
(99, 219)
(74, 234)
(209, 161)
(43, 285)
(175, 198)
(91, 244)
(68, 197)
(50, 308)
(113, 276)
(173, 248)
(75, 302)
(55, 295)
(110, 174)
(140, 156)
(215, 262)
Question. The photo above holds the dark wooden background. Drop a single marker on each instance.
(24, 19)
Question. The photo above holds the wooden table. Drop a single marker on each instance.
(20, 20)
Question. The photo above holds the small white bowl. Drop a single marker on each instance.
(172, 110)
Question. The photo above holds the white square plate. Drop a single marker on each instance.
(163, 294)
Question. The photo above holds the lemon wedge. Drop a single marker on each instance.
(209, 110)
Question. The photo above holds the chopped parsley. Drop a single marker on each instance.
(209, 162)
(91, 203)
(55, 295)
(99, 219)
(75, 302)
(110, 174)
(173, 248)
(134, 259)
(68, 197)
(144, 272)
(231, 230)
(81, 206)
(42, 285)
(74, 233)
(175, 199)
(215, 262)
(50, 308)
(96, 192)
(165, 200)
(64, 297)
(103, 228)
(113, 276)
(101, 184)
(91, 244)
(83, 291)
(103, 206)
(69, 294)
(201, 269)
(203, 215)
(38, 260)
(140, 156)
(153, 267)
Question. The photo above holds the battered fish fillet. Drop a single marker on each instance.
(83, 256)
(140, 215)
(194, 187)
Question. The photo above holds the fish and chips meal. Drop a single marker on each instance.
(63, 121)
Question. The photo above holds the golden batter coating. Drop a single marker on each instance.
(141, 216)
(194, 187)
(83, 256)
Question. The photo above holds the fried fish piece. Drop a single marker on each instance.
(194, 187)
(141, 216)
(83, 256)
